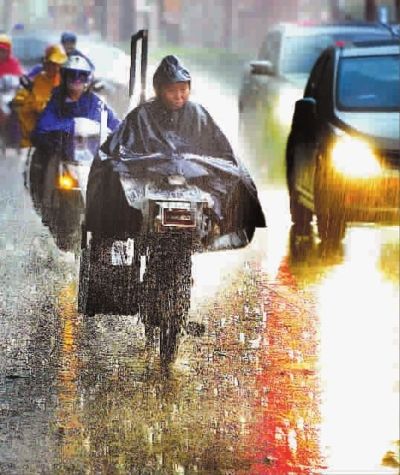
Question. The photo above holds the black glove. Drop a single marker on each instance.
(26, 82)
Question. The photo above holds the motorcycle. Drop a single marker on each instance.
(9, 128)
(58, 185)
(146, 215)
(146, 267)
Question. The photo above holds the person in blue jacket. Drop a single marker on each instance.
(70, 100)
(54, 130)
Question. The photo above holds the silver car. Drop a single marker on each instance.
(277, 78)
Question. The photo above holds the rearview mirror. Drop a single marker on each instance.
(264, 67)
(305, 117)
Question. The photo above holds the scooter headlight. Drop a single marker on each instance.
(67, 182)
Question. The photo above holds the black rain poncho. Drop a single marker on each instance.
(155, 140)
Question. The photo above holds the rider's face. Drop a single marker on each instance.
(75, 88)
(69, 46)
(175, 95)
(52, 69)
(76, 82)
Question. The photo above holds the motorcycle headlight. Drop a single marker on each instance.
(354, 158)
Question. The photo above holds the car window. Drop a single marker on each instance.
(299, 53)
(264, 52)
(369, 83)
(271, 47)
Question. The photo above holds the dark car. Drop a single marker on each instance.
(277, 78)
(343, 151)
(111, 63)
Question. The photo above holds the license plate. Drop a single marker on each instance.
(178, 217)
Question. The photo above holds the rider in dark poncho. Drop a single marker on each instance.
(172, 125)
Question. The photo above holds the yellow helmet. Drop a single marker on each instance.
(55, 54)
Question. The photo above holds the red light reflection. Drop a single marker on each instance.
(286, 439)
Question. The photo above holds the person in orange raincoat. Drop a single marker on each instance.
(29, 103)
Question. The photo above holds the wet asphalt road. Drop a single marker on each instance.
(297, 372)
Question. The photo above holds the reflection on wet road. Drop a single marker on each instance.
(297, 372)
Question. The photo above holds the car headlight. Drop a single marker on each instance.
(354, 158)
(285, 106)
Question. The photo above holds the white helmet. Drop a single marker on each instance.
(77, 67)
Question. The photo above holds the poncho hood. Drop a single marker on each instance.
(170, 71)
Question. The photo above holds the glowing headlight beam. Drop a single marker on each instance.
(355, 158)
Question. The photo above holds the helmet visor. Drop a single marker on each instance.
(77, 76)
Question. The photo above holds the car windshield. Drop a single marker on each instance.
(369, 83)
(299, 53)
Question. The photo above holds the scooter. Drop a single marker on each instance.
(58, 187)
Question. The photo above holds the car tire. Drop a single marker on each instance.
(301, 216)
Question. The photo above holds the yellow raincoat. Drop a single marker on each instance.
(30, 104)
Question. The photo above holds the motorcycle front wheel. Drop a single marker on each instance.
(165, 294)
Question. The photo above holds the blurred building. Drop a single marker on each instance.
(231, 24)
(241, 24)
(25, 12)
(117, 20)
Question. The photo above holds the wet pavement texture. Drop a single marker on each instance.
(297, 372)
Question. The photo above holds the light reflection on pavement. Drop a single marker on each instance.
(277, 385)
(359, 311)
